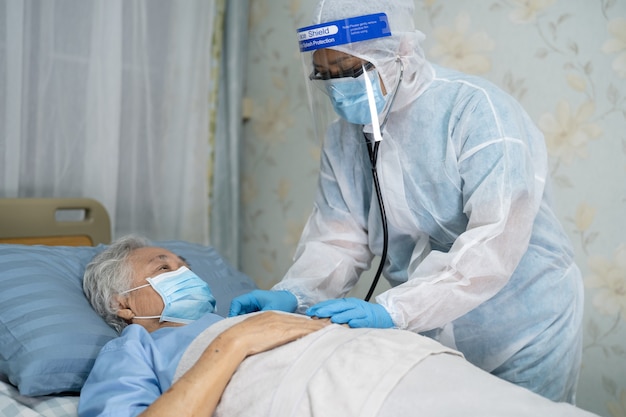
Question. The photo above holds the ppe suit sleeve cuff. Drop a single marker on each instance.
(396, 316)
(302, 300)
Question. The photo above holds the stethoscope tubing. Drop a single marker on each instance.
(372, 149)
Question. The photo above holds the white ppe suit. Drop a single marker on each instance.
(477, 258)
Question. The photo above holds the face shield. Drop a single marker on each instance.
(342, 84)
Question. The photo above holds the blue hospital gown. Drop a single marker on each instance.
(133, 370)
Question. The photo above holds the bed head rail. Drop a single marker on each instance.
(54, 221)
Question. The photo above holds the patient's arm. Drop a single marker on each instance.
(199, 390)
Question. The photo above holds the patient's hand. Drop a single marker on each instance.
(200, 388)
(267, 330)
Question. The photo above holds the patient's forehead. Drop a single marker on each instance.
(150, 254)
(150, 260)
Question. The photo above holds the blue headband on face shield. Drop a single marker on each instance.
(186, 297)
(340, 32)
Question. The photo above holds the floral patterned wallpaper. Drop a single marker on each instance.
(564, 60)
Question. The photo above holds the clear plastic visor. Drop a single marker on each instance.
(344, 86)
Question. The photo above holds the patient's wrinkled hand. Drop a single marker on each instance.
(267, 330)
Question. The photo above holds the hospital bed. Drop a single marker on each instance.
(49, 335)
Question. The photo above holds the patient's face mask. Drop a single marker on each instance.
(186, 297)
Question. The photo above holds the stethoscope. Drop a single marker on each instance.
(372, 149)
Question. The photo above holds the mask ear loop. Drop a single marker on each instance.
(373, 154)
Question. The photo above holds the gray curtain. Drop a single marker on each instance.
(110, 99)
(225, 205)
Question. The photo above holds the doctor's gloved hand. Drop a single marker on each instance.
(261, 300)
(353, 311)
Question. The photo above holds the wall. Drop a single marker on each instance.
(564, 60)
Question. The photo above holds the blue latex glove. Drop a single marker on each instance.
(353, 311)
(261, 300)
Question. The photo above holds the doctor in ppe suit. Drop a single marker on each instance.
(445, 177)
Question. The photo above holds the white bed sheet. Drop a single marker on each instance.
(340, 372)
(12, 404)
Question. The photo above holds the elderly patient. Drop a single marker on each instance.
(149, 294)
(262, 364)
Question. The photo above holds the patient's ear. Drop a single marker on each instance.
(123, 311)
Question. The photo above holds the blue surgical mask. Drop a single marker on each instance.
(186, 297)
(349, 97)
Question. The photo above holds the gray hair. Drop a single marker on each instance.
(108, 274)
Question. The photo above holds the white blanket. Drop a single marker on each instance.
(345, 372)
(335, 371)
